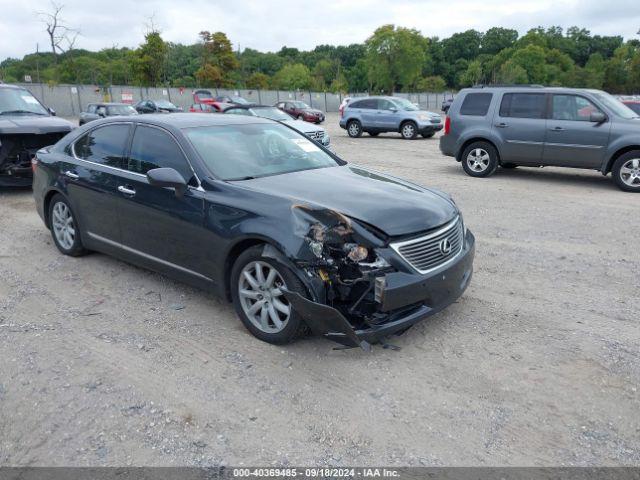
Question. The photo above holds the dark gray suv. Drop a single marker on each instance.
(533, 126)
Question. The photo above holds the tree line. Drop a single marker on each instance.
(392, 59)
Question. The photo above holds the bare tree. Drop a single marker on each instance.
(62, 38)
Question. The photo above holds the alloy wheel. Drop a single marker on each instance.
(261, 297)
(408, 130)
(354, 129)
(630, 172)
(63, 225)
(478, 160)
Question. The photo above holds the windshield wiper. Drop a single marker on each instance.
(248, 177)
(9, 112)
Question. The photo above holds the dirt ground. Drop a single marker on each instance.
(102, 363)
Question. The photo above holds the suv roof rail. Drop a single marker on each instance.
(518, 85)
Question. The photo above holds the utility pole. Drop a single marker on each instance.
(38, 62)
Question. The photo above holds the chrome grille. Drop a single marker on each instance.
(427, 253)
(317, 135)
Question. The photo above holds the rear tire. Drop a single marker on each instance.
(64, 227)
(626, 171)
(409, 130)
(354, 128)
(274, 325)
(480, 159)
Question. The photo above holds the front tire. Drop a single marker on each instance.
(64, 227)
(255, 289)
(480, 159)
(409, 130)
(354, 128)
(626, 171)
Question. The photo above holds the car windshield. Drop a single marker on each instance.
(300, 105)
(240, 152)
(19, 101)
(165, 104)
(121, 110)
(272, 113)
(615, 105)
(405, 104)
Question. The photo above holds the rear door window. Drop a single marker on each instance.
(523, 105)
(370, 103)
(154, 148)
(104, 145)
(476, 104)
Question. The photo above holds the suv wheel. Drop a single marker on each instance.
(480, 159)
(64, 227)
(409, 130)
(255, 289)
(354, 128)
(626, 171)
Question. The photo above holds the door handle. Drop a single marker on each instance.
(556, 129)
(71, 175)
(126, 190)
(501, 125)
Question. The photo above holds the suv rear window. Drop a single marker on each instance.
(523, 105)
(476, 104)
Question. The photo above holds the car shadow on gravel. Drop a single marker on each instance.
(546, 175)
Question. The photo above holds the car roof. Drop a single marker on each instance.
(190, 120)
(527, 88)
(13, 87)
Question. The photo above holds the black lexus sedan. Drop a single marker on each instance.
(256, 212)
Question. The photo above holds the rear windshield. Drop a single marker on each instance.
(476, 104)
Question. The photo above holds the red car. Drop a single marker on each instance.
(215, 107)
(301, 111)
(205, 97)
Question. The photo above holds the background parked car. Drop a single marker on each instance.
(535, 126)
(203, 108)
(301, 111)
(633, 105)
(315, 133)
(446, 104)
(156, 106)
(96, 111)
(233, 99)
(375, 115)
(26, 126)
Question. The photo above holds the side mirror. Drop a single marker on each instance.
(102, 114)
(167, 177)
(597, 117)
(52, 112)
(393, 109)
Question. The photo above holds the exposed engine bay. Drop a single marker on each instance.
(17, 150)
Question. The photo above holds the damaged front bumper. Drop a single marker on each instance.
(406, 299)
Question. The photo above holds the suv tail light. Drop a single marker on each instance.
(447, 125)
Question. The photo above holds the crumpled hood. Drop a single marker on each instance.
(389, 204)
(304, 127)
(33, 124)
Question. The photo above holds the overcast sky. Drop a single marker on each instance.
(267, 25)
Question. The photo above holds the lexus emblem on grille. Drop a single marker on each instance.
(445, 246)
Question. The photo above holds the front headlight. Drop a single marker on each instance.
(424, 117)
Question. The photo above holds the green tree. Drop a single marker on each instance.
(258, 80)
(292, 77)
(496, 39)
(149, 60)
(218, 59)
(394, 58)
(432, 83)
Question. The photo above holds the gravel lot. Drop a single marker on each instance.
(102, 363)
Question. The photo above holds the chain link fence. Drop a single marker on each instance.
(70, 100)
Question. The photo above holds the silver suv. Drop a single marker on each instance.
(375, 115)
(534, 126)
